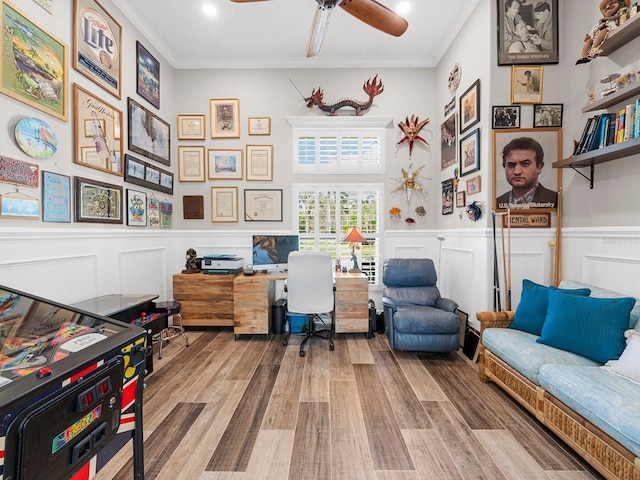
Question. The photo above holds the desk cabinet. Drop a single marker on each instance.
(207, 300)
(254, 295)
(352, 297)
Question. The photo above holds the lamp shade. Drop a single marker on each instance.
(354, 235)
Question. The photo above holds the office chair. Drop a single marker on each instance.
(310, 291)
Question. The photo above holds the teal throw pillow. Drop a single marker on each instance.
(532, 309)
(587, 326)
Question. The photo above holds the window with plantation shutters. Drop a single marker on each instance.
(325, 211)
(339, 145)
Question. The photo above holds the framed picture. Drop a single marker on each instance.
(147, 75)
(225, 164)
(152, 175)
(470, 153)
(225, 117)
(136, 208)
(526, 84)
(102, 150)
(141, 173)
(460, 200)
(56, 197)
(474, 185)
(97, 202)
(97, 45)
(191, 127)
(224, 204)
(263, 205)
(522, 159)
(259, 125)
(447, 197)
(191, 164)
(547, 115)
(166, 214)
(153, 211)
(470, 107)
(149, 135)
(19, 172)
(19, 205)
(448, 133)
(193, 207)
(260, 162)
(527, 32)
(43, 59)
(506, 116)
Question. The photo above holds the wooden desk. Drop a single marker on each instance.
(207, 300)
(253, 296)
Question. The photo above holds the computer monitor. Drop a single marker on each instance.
(271, 252)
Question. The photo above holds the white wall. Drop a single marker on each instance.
(71, 262)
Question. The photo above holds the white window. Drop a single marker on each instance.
(325, 211)
(339, 145)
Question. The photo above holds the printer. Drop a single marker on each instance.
(222, 264)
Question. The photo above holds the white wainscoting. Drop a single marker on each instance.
(71, 265)
(143, 271)
(53, 277)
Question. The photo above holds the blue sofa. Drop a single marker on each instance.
(590, 407)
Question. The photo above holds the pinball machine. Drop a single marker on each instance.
(70, 389)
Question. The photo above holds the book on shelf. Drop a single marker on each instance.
(587, 135)
(636, 124)
(580, 142)
(594, 140)
(605, 131)
(629, 121)
(611, 134)
(620, 125)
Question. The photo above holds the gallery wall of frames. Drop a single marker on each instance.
(124, 143)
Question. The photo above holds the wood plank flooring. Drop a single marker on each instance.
(252, 409)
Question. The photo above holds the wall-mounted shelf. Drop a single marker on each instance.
(621, 35)
(599, 155)
(610, 100)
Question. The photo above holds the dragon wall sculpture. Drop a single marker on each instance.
(371, 87)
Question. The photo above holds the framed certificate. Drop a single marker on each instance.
(263, 205)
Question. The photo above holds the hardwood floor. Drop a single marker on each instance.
(253, 409)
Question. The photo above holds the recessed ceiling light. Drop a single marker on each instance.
(403, 7)
(209, 10)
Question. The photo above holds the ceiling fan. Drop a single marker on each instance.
(370, 12)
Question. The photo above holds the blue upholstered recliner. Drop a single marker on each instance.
(416, 317)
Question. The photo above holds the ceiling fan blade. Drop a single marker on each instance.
(319, 29)
(376, 15)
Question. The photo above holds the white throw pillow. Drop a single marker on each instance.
(628, 365)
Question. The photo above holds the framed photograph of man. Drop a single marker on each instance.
(523, 177)
(527, 32)
(526, 84)
(470, 107)
(448, 131)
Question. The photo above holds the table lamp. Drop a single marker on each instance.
(354, 237)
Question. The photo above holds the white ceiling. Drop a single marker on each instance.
(274, 34)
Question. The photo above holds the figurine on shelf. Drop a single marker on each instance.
(593, 41)
(191, 266)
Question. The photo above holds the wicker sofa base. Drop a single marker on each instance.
(605, 454)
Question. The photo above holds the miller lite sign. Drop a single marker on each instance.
(97, 39)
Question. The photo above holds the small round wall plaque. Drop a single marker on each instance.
(36, 138)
